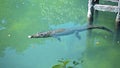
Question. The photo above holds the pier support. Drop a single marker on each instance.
(118, 23)
(117, 27)
(94, 7)
(90, 11)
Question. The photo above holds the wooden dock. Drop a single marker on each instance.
(94, 6)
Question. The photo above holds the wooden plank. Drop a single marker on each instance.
(106, 8)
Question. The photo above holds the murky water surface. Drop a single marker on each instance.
(20, 18)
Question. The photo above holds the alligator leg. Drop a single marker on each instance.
(77, 35)
(58, 38)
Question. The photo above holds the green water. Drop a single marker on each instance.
(20, 18)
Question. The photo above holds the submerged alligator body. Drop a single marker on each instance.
(63, 32)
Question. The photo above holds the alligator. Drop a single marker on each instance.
(62, 32)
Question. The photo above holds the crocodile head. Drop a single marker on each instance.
(39, 35)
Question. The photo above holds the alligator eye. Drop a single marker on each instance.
(41, 34)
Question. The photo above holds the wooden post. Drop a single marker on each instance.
(90, 11)
(90, 14)
(118, 23)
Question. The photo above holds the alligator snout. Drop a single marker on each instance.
(40, 35)
(34, 36)
(29, 36)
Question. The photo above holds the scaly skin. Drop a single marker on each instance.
(46, 34)
(62, 32)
